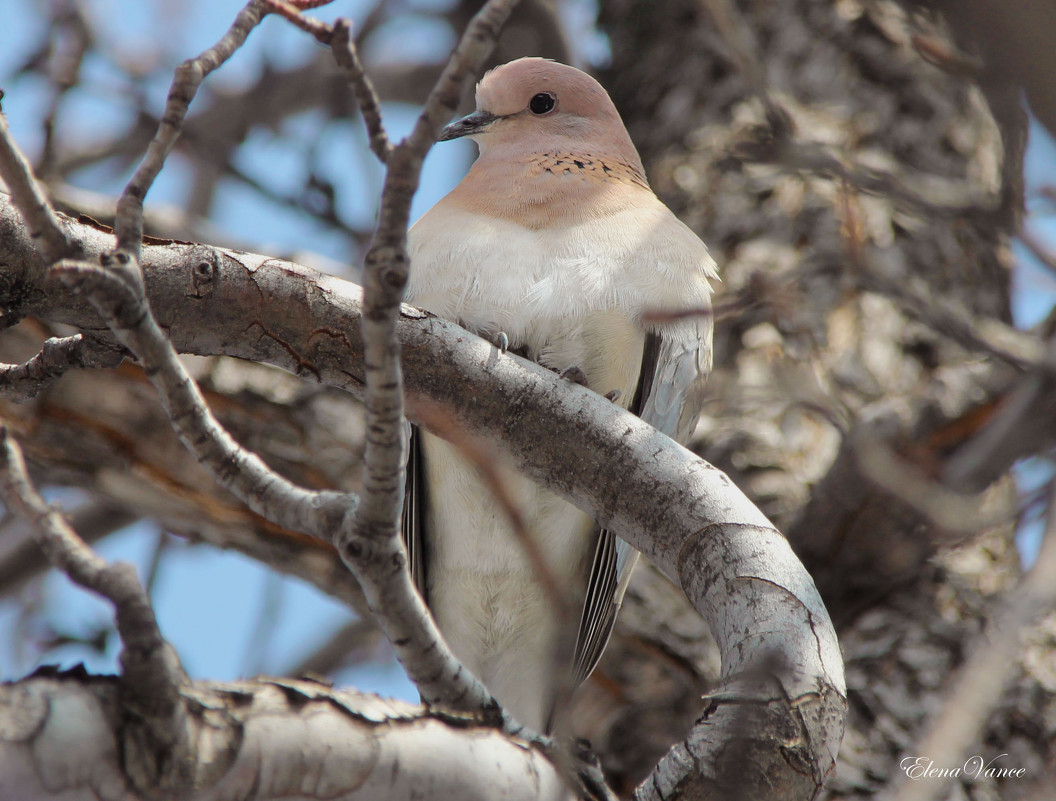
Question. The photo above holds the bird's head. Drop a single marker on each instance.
(534, 105)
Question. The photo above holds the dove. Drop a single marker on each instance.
(555, 245)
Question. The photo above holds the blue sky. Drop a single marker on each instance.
(1035, 286)
(210, 603)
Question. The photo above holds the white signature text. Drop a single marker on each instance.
(974, 768)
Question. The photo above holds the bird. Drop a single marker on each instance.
(555, 246)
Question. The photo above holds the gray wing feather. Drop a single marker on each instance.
(675, 363)
(414, 509)
(683, 362)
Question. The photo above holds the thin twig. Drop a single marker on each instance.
(161, 546)
(948, 510)
(950, 318)
(299, 202)
(476, 452)
(291, 11)
(41, 220)
(57, 356)
(347, 57)
(485, 460)
(338, 37)
(151, 668)
(123, 307)
(1013, 432)
(189, 76)
(68, 73)
(1042, 252)
(264, 627)
(371, 544)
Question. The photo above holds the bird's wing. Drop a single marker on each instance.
(602, 602)
(675, 363)
(671, 400)
(414, 509)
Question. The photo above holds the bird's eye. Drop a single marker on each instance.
(542, 103)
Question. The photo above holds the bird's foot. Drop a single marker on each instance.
(575, 373)
(502, 342)
(613, 395)
(589, 775)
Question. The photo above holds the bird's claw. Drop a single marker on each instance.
(502, 342)
(613, 395)
(575, 373)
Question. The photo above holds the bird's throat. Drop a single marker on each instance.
(550, 188)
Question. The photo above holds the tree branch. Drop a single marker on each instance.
(347, 57)
(151, 673)
(685, 515)
(1021, 426)
(189, 76)
(21, 558)
(268, 494)
(338, 37)
(58, 355)
(296, 740)
(43, 222)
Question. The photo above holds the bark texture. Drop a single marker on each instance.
(63, 736)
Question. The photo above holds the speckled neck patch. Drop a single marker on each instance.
(588, 166)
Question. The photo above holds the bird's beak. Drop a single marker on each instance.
(475, 123)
